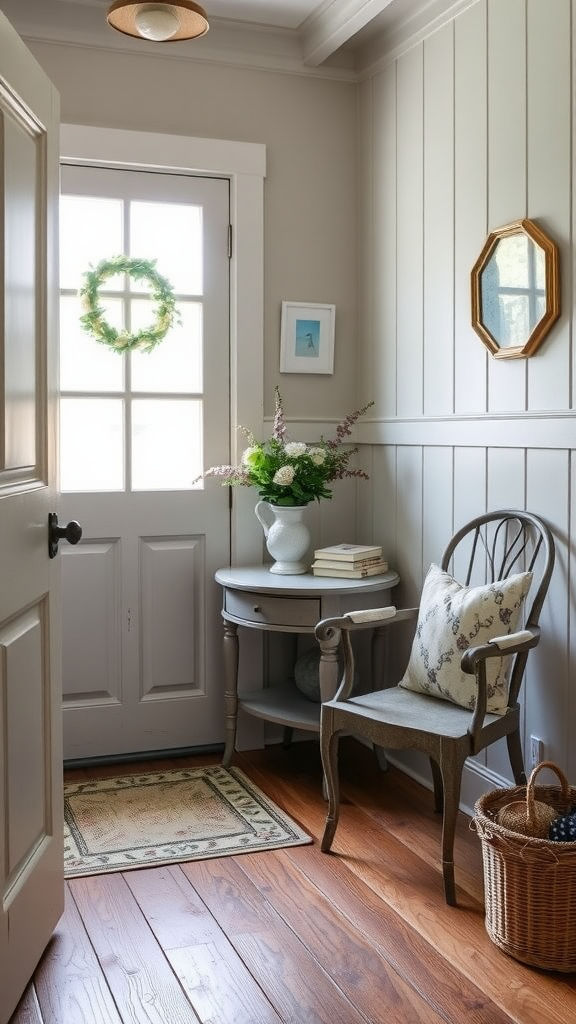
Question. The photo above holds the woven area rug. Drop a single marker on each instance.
(136, 821)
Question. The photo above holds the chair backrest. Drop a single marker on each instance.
(493, 547)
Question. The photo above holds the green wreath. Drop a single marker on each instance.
(94, 322)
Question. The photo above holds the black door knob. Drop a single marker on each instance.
(72, 532)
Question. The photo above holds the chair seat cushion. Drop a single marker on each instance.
(416, 711)
(452, 618)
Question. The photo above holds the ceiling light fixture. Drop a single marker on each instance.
(162, 21)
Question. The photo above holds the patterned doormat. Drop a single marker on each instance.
(136, 821)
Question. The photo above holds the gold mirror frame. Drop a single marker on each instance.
(529, 293)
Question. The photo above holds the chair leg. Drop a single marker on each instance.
(381, 759)
(438, 786)
(329, 753)
(452, 779)
(516, 757)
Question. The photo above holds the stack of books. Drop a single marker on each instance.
(349, 561)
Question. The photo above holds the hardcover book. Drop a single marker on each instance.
(349, 552)
(358, 563)
(350, 573)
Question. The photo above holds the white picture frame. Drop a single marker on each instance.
(307, 337)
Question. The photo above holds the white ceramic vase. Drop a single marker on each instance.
(287, 537)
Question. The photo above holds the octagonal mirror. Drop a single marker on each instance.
(515, 290)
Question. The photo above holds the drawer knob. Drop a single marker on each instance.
(257, 608)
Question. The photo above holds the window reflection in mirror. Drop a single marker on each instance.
(515, 289)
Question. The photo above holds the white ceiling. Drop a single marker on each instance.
(289, 14)
(276, 33)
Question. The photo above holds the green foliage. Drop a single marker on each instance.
(291, 472)
(93, 318)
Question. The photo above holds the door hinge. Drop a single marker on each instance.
(229, 241)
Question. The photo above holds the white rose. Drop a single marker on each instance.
(295, 449)
(284, 476)
(247, 453)
(318, 456)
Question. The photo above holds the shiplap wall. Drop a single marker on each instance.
(463, 129)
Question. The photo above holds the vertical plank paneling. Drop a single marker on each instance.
(506, 478)
(549, 109)
(439, 222)
(380, 380)
(507, 170)
(470, 201)
(367, 269)
(410, 227)
(506, 489)
(469, 499)
(409, 519)
(384, 488)
(498, 148)
(438, 486)
(548, 684)
(565, 578)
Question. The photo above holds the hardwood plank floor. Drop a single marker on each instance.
(295, 936)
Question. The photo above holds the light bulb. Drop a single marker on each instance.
(157, 23)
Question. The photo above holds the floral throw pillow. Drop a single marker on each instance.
(451, 619)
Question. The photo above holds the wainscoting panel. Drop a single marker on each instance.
(465, 127)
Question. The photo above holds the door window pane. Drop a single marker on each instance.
(166, 444)
(91, 444)
(86, 364)
(171, 234)
(175, 365)
(113, 436)
(90, 231)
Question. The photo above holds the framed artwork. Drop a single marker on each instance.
(307, 338)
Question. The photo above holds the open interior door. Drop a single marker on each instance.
(31, 861)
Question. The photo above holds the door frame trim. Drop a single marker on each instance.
(244, 164)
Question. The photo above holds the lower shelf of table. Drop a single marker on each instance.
(283, 704)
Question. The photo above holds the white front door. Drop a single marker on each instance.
(142, 640)
(31, 834)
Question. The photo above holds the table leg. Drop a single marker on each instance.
(231, 691)
(329, 672)
(287, 736)
(329, 666)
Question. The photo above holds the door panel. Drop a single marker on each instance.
(31, 797)
(142, 660)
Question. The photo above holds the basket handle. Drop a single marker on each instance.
(530, 809)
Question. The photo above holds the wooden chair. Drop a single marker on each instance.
(477, 627)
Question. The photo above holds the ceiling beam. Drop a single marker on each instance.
(334, 24)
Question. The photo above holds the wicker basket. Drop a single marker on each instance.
(529, 883)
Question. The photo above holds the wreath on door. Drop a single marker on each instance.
(93, 319)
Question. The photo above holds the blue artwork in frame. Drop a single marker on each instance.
(307, 342)
(307, 338)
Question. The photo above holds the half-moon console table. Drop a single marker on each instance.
(255, 598)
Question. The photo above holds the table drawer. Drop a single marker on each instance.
(278, 611)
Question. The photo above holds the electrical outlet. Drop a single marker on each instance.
(536, 751)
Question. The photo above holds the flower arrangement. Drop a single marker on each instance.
(291, 472)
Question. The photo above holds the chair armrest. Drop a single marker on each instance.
(474, 660)
(510, 643)
(367, 618)
(334, 633)
(372, 614)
